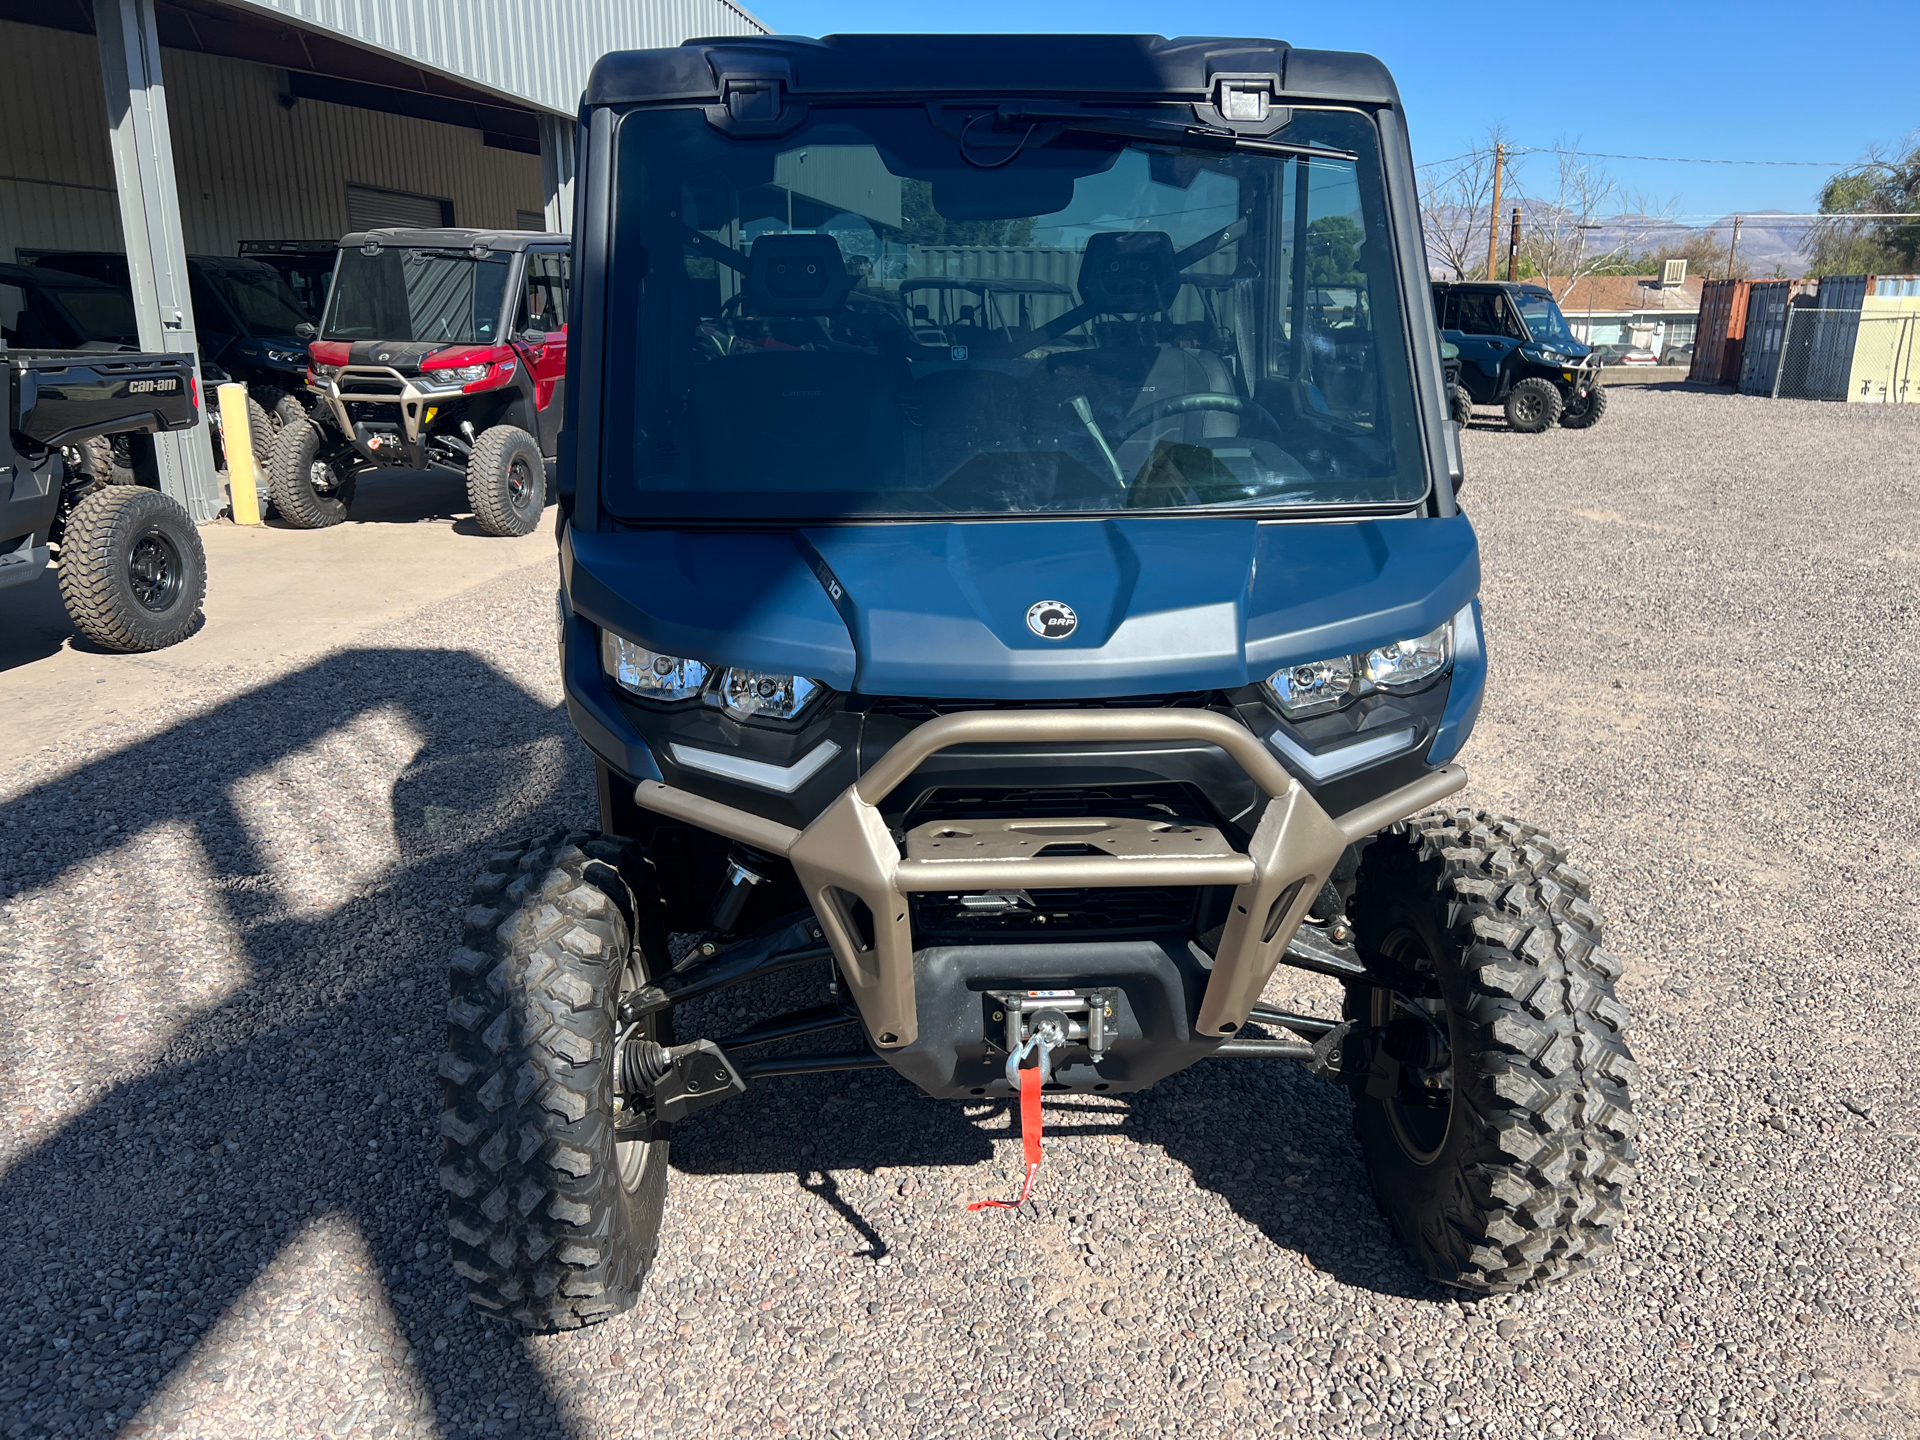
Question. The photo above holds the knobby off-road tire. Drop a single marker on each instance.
(1460, 404)
(132, 569)
(1584, 414)
(554, 1224)
(1519, 1179)
(265, 434)
(297, 499)
(506, 481)
(1533, 405)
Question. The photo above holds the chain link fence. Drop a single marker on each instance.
(1845, 355)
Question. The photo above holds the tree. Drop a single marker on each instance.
(1456, 199)
(1886, 182)
(1580, 221)
(1333, 251)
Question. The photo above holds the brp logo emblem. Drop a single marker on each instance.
(1052, 620)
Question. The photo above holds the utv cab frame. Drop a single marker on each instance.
(440, 350)
(1039, 675)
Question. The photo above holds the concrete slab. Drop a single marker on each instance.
(275, 596)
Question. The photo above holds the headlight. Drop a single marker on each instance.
(647, 673)
(454, 376)
(326, 372)
(285, 357)
(1312, 688)
(1409, 664)
(745, 694)
(1322, 685)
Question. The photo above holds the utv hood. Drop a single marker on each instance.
(940, 610)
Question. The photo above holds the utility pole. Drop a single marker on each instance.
(1513, 245)
(1733, 249)
(1493, 213)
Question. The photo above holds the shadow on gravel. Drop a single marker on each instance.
(309, 1091)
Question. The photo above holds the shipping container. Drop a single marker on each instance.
(1767, 307)
(1717, 340)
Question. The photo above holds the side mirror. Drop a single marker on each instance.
(306, 330)
(532, 337)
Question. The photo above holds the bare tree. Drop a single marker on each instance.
(1580, 221)
(1456, 202)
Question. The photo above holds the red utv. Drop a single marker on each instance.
(439, 350)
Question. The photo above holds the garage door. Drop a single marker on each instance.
(371, 209)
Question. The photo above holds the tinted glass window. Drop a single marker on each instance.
(904, 311)
(441, 296)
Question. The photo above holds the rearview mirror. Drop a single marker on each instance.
(532, 337)
(306, 330)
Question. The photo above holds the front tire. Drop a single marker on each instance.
(310, 491)
(1460, 404)
(1585, 414)
(132, 569)
(506, 481)
(554, 1223)
(1490, 1096)
(1533, 405)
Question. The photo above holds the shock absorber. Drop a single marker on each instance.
(746, 868)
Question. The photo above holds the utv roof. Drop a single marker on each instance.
(451, 239)
(868, 65)
(1518, 287)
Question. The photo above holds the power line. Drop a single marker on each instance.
(1663, 159)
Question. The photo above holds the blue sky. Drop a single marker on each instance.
(1744, 82)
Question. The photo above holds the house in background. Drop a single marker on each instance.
(1649, 312)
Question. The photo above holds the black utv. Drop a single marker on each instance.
(1517, 352)
(131, 568)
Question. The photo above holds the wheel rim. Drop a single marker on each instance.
(320, 476)
(632, 1158)
(1528, 408)
(154, 571)
(1417, 1032)
(519, 484)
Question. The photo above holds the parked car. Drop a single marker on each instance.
(440, 350)
(1518, 352)
(971, 679)
(1677, 355)
(1614, 355)
(131, 568)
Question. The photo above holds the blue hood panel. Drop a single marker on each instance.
(939, 610)
(728, 599)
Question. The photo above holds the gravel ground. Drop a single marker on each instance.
(223, 921)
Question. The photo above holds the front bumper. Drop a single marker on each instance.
(382, 385)
(857, 880)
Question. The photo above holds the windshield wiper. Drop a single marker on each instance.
(1173, 132)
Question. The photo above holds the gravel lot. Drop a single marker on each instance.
(223, 920)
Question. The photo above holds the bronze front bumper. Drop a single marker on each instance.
(848, 853)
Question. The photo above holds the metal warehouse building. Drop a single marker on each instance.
(175, 127)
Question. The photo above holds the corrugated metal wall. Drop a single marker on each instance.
(247, 168)
(539, 50)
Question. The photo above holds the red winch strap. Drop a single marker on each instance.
(1030, 1080)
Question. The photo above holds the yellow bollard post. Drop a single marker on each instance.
(236, 436)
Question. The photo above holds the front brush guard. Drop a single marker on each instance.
(848, 854)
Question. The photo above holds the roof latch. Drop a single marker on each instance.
(755, 91)
(753, 101)
(1244, 98)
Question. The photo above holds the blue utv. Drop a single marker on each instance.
(1011, 569)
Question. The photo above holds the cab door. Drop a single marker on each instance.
(543, 307)
(1481, 323)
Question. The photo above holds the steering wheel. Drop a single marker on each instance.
(1188, 404)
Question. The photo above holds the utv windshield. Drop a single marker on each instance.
(1544, 320)
(923, 311)
(259, 296)
(438, 296)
